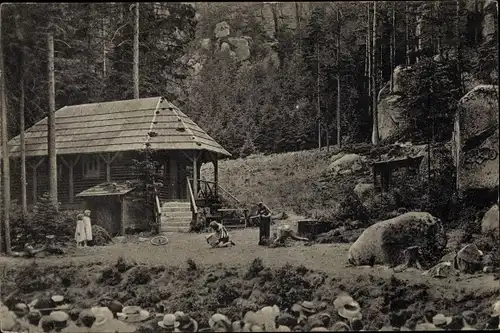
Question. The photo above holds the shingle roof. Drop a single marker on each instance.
(107, 189)
(118, 126)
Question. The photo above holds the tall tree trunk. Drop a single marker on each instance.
(458, 43)
(5, 152)
(297, 14)
(369, 55)
(437, 15)
(375, 135)
(52, 124)
(22, 148)
(339, 142)
(136, 51)
(407, 35)
(318, 107)
(393, 46)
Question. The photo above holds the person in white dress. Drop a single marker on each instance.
(87, 227)
(80, 231)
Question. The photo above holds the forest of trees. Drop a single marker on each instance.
(327, 71)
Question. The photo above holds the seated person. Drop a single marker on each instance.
(221, 234)
(284, 233)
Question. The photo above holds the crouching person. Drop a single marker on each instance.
(221, 234)
(284, 233)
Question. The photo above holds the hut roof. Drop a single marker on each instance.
(106, 189)
(118, 126)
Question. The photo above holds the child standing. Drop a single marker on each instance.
(80, 231)
(87, 226)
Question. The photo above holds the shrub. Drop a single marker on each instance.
(44, 220)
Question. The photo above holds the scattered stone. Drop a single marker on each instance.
(242, 48)
(363, 190)
(222, 29)
(351, 162)
(490, 221)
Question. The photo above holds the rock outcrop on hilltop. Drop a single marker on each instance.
(475, 139)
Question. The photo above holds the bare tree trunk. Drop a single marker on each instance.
(52, 124)
(407, 35)
(297, 14)
(375, 135)
(393, 46)
(436, 24)
(458, 42)
(22, 148)
(339, 137)
(5, 152)
(318, 107)
(369, 55)
(136, 51)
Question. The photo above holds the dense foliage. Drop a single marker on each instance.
(271, 102)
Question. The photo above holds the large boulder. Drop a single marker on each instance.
(364, 190)
(490, 220)
(400, 77)
(349, 163)
(385, 241)
(241, 47)
(222, 29)
(475, 139)
(390, 116)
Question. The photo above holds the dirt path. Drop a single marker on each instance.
(330, 258)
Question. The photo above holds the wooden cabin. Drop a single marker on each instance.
(97, 143)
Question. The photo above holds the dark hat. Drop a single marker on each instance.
(34, 317)
(286, 319)
(87, 318)
(74, 314)
(46, 323)
(470, 317)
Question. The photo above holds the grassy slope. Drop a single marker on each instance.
(281, 181)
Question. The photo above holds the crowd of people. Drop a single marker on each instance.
(53, 314)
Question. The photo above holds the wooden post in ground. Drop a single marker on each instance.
(52, 124)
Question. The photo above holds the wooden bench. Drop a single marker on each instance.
(385, 169)
(232, 221)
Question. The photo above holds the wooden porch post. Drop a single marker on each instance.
(108, 159)
(216, 175)
(70, 164)
(34, 168)
(195, 176)
(122, 215)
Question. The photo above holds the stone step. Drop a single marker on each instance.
(175, 209)
(176, 204)
(175, 229)
(176, 224)
(177, 214)
(175, 220)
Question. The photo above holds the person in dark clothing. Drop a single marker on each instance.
(264, 215)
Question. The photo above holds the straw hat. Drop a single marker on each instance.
(440, 319)
(59, 302)
(219, 319)
(319, 329)
(340, 326)
(169, 321)
(133, 314)
(296, 308)
(496, 309)
(21, 309)
(283, 328)
(347, 307)
(7, 321)
(308, 307)
(102, 315)
(86, 211)
(59, 316)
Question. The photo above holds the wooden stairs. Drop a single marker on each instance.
(176, 216)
